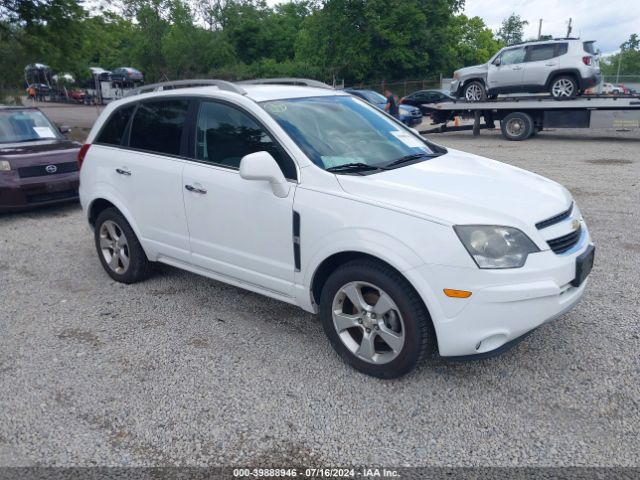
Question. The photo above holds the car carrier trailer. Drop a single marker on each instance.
(523, 117)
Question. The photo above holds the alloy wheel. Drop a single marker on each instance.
(368, 322)
(562, 88)
(473, 93)
(114, 247)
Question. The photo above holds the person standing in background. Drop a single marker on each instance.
(391, 106)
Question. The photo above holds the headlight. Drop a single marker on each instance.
(493, 246)
(5, 166)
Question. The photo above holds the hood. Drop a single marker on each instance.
(8, 150)
(460, 188)
(473, 70)
(408, 108)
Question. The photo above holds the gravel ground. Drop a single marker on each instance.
(183, 370)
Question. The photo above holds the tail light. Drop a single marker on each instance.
(82, 153)
(586, 60)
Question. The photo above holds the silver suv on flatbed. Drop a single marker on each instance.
(563, 67)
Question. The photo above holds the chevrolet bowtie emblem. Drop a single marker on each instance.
(575, 224)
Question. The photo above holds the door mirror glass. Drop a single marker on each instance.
(497, 62)
(262, 166)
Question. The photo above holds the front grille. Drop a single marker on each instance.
(50, 197)
(566, 242)
(555, 219)
(41, 170)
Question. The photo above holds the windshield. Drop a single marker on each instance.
(340, 130)
(24, 126)
(372, 96)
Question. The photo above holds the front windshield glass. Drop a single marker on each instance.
(334, 131)
(373, 97)
(24, 126)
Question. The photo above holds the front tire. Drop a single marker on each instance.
(375, 320)
(118, 248)
(564, 87)
(474, 91)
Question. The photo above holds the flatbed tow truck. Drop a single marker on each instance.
(525, 116)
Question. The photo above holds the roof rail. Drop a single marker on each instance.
(304, 82)
(159, 87)
(541, 41)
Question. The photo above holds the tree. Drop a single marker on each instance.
(628, 59)
(512, 29)
(475, 42)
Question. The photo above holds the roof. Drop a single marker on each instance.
(17, 107)
(257, 93)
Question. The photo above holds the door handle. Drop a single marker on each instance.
(194, 189)
(123, 171)
(517, 68)
(550, 64)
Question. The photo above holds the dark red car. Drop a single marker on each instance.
(37, 164)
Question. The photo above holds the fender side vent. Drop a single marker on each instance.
(296, 240)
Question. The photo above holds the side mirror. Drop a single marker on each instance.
(262, 166)
(64, 129)
(497, 62)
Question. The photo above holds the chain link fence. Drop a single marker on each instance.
(402, 88)
(630, 81)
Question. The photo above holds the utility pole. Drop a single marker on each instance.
(569, 29)
(540, 29)
(619, 63)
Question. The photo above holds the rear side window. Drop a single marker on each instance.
(538, 53)
(157, 126)
(589, 47)
(114, 128)
(562, 48)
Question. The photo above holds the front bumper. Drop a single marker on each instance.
(19, 194)
(505, 304)
(454, 88)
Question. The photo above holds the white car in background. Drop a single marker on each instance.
(612, 89)
(316, 198)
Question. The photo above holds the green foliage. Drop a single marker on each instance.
(512, 29)
(628, 59)
(475, 41)
(236, 39)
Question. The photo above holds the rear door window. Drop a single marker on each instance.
(538, 53)
(113, 131)
(158, 126)
(589, 47)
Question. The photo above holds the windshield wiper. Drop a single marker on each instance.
(353, 167)
(410, 158)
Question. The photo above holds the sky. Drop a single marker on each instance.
(609, 23)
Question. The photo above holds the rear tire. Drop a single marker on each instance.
(118, 248)
(564, 87)
(517, 126)
(474, 91)
(386, 330)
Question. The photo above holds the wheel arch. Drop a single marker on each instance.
(101, 203)
(573, 72)
(334, 261)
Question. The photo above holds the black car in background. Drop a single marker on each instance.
(426, 97)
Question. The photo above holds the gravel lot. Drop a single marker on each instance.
(182, 370)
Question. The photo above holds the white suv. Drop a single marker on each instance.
(316, 198)
(564, 67)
